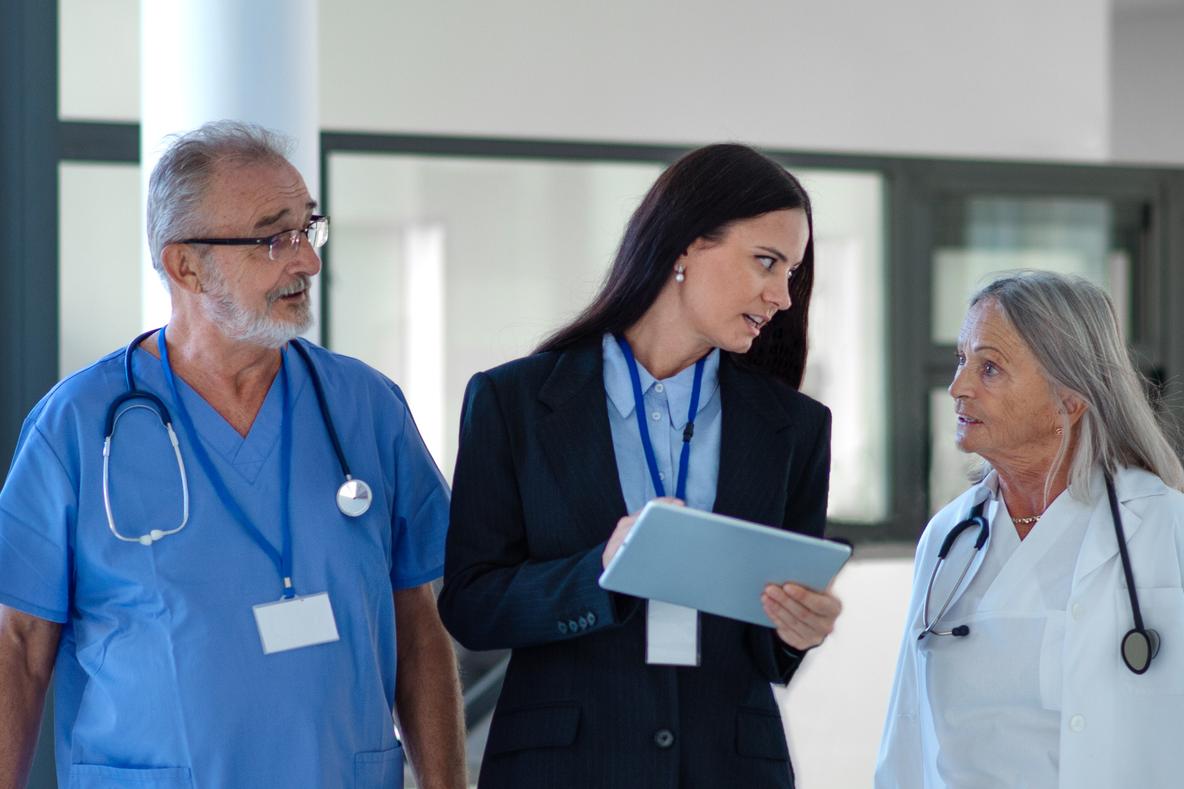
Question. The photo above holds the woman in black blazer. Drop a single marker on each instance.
(718, 256)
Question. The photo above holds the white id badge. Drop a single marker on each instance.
(299, 622)
(671, 634)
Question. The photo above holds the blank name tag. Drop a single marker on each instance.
(671, 634)
(299, 622)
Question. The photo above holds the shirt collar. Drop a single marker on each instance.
(619, 387)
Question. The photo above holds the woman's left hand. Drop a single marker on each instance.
(803, 617)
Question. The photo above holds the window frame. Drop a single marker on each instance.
(912, 186)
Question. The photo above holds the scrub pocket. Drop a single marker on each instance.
(379, 769)
(99, 776)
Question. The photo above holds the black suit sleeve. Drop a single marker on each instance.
(805, 512)
(495, 596)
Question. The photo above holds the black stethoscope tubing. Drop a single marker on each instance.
(350, 505)
(1138, 647)
(323, 404)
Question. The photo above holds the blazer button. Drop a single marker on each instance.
(663, 738)
(591, 618)
(572, 626)
(583, 623)
(563, 627)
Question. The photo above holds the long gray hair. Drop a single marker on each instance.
(181, 176)
(1071, 327)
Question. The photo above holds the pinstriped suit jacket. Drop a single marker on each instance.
(536, 495)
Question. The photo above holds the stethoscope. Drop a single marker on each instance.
(353, 497)
(1140, 644)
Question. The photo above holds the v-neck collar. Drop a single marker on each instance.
(246, 454)
(1017, 585)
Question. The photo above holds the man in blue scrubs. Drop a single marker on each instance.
(227, 624)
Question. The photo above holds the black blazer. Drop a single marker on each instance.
(536, 495)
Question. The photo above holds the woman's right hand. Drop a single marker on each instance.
(624, 526)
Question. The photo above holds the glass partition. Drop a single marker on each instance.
(98, 260)
(443, 266)
(978, 237)
(981, 236)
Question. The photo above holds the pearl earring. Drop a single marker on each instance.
(680, 274)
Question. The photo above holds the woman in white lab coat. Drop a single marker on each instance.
(1033, 669)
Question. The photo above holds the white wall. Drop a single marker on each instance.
(99, 59)
(1148, 71)
(1024, 79)
(1012, 78)
(834, 708)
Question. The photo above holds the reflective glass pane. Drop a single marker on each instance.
(98, 260)
(846, 368)
(949, 467)
(978, 237)
(442, 266)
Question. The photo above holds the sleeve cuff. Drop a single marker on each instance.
(24, 606)
(410, 581)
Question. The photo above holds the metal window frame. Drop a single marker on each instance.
(912, 187)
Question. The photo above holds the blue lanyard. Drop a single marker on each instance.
(684, 459)
(282, 558)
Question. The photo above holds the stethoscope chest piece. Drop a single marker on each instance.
(354, 498)
(1138, 648)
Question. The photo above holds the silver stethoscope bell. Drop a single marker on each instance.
(354, 498)
(1138, 648)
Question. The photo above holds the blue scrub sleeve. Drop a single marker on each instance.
(37, 506)
(420, 518)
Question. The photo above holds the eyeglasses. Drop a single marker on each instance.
(282, 246)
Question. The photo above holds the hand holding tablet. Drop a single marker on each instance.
(722, 565)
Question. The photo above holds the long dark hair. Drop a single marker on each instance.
(698, 197)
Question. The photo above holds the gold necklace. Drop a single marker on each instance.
(1028, 521)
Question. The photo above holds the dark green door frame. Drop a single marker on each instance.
(29, 154)
(29, 209)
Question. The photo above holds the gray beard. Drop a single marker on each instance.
(241, 324)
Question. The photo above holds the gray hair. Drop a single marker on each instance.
(179, 181)
(1071, 327)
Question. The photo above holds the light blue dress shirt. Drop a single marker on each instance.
(666, 405)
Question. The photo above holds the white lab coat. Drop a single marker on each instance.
(1117, 729)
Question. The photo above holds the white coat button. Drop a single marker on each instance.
(656, 416)
(659, 388)
(1076, 611)
(1077, 723)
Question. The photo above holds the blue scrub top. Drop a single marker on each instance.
(161, 679)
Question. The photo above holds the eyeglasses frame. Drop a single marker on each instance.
(268, 240)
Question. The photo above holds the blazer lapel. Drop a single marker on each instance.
(754, 454)
(577, 441)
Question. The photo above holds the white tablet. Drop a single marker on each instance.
(714, 563)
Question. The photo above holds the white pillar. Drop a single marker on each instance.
(205, 60)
